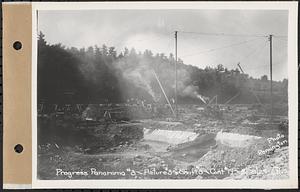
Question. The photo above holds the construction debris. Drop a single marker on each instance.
(144, 137)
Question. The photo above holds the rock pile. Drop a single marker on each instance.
(274, 167)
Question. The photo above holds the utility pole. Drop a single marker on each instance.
(176, 107)
(271, 83)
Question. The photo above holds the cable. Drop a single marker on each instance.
(255, 51)
(260, 66)
(282, 40)
(225, 34)
(261, 48)
(214, 49)
(280, 36)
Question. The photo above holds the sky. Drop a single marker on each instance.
(199, 40)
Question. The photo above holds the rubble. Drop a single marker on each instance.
(197, 139)
(272, 168)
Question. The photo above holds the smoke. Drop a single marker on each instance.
(202, 98)
(138, 71)
(141, 78)
(192, 91)
(139, 74)
(186, 88)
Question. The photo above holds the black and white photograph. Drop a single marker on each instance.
(163, 94)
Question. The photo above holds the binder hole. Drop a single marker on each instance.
(17, 45)
(18, 148)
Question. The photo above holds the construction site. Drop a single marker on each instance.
(104, 114)
(146, 141)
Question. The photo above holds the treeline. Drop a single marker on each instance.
(102, 75)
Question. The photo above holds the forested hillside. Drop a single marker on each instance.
(100, 74)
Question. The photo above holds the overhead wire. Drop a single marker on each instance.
(285, 41)
(274, 61)
(254, 51)
(231, 34)
(280, 36)
(218, 48)
(224, 34)
(258, 55)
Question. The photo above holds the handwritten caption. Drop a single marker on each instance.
(276, 143)
(167, 172)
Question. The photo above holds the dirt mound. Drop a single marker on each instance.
(230, 158)
(274, 167)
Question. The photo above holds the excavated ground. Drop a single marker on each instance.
(168, 149)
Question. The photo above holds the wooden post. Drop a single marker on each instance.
(163, 91)
(271, 79)
(176, 102)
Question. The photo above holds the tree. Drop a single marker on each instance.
(112, 52)
(132, 53)
(126, 51)
(90, 52)
(41, 39)
(148, 53)
(220, 68)
(96, 74)
(104, 50)
(171, 57)
(264, 78)
(97, 51)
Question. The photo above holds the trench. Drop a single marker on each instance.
(184, 146)
(188, 146)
